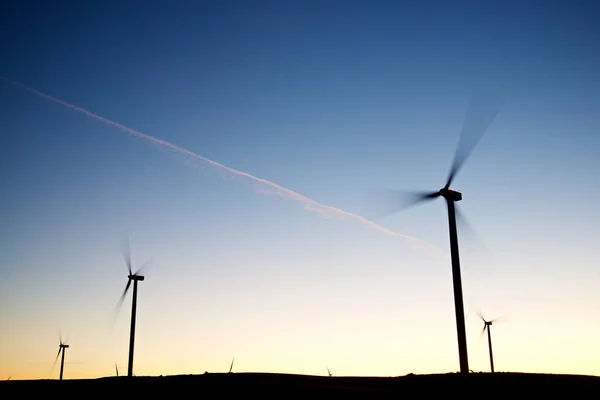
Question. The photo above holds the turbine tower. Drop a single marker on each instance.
(481, 112)
(135, 278)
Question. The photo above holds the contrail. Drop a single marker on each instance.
(308, 203)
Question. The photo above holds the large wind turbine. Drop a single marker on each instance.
(132, 277)
(479, 116)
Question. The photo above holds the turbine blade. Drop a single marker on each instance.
(480, 315)
(481, 111)
(467, 229)
(125, 249)
(122, 298)
(55, 360)
(143, 267)
(57, 354)
(483, 330)
(382, 202)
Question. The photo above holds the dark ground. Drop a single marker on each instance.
(219, 384)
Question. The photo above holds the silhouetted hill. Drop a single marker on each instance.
(474, 384)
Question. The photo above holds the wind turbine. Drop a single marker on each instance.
(132, 277)
(487, 325)
(61, 349)
(329, 372)
(231, 366)
(480, 114)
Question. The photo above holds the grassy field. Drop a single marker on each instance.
(474, 384)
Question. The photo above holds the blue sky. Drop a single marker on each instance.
(328, 99)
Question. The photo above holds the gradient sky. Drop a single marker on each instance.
(328, 99)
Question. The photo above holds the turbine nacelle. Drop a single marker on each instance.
(134, 277)
(450, 194)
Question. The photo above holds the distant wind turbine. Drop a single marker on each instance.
(135, 277)
(329, 372)
(117, 369)
(487, 325)
(61, 349)
(231, 366)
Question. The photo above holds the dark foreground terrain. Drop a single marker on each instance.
(288, 385)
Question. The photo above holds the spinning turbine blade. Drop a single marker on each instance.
(127, 255)
(483, 330)
(383, 202)
(467, 230)
(143, 267)
(120, 303)
(57, 354)
(480, 114)
(480, 316)
(464, 224)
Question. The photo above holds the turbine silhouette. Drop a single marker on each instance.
(480, 114)
(487, 326)
(131, 277)
(61, 349)
(231, 366)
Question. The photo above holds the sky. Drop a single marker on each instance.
(234, 144)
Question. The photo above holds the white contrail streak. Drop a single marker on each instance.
(309, 204)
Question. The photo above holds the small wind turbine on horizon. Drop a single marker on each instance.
(329, 372)
(231, 366)
(387, 202)
(61, 349)
(486, 326)
(131, 277)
